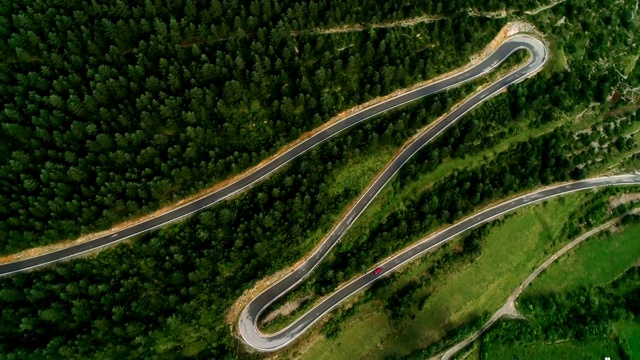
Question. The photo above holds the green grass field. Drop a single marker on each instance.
(460, 293)
(450, 307)
(360, 170)
(630, 331)
(595, 262)
(629, 63)
(358, 341)
(567, 350)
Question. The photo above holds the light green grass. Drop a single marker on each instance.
(581, 46)
(359, 170)
(509, 254)
(471, 352)
(357, 173)
(449, 165)
(558, 59)
(358, 340)
(595, 262)
(629, 63)
(567, 350)
(620, 158)
(630, 331)
(390, 198)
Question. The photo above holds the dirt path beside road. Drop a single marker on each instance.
(509, 308)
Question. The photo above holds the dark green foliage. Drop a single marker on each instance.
(400, 302)
(483, 128)
(185, 277)
(583, 314)
(631, 219)
(538, 161)
(334, 325)
(112, 110)
(180, 279)
(591, 214)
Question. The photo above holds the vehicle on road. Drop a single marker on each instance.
(377, 271)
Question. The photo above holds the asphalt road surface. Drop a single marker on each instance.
(262, 172)
(247, 325)
(250, 314)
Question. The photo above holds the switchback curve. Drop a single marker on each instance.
(252, 336)
(261, 172)
(250, 314)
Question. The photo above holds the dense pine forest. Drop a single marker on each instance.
(112, 109)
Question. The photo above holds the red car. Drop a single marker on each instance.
(377, 271)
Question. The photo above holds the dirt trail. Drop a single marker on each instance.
(624, 199)
(285, 309)
(542, 8)
(509, 308)
(491, 14)
(507, 12)
(400, 23)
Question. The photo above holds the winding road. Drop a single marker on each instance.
(261, 171)
(251, 313)
(247, 324)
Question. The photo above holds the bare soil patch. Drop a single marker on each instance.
(624, 199)
(491, 14)
(285, 309)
